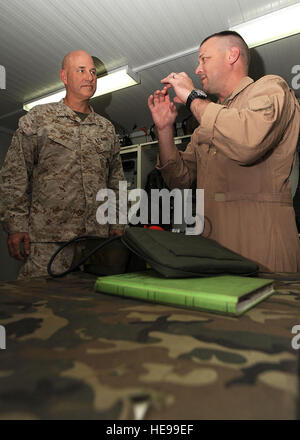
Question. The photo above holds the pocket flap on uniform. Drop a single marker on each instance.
(102, 144)
(62, 140)
(260, 103)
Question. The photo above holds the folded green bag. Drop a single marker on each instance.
(172, 255)
(176, 255)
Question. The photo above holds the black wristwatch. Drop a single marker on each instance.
(195, 94)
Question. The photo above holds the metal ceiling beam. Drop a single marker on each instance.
(164, 60)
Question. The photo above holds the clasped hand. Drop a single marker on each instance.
(164, 112)
(14, 242)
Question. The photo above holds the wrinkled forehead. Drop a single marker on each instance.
(80, 59)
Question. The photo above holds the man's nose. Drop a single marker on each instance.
(199, 69)
(90, 76)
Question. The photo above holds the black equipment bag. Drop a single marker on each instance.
(172, 255)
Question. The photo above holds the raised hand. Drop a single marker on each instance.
(182, 85)
(164, 112)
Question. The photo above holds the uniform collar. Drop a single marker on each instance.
(245, 82)
(64, 110)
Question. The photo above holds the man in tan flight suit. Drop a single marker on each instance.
(241, 154)
(60, 157)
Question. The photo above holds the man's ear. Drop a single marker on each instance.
(234, 54)
(63, 76)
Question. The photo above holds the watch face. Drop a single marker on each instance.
(200, 93)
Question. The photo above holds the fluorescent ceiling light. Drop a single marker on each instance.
(270, 27)
(114, 80)
(53, 97)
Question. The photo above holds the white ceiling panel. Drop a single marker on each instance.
(36, 34)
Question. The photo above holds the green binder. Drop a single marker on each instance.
(227, 294)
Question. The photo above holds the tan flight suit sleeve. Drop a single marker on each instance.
(246, 135)
(181, 169)
(243, 135)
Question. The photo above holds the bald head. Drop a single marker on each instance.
(72, 57)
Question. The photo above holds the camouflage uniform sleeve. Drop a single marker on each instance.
(15, 177)
(116, 175)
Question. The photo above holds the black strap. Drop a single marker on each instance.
(84, 259)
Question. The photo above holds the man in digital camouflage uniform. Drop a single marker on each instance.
(61, 155)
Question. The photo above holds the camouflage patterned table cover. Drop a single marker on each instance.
(72, 353)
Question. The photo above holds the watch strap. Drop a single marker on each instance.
(195, 94)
